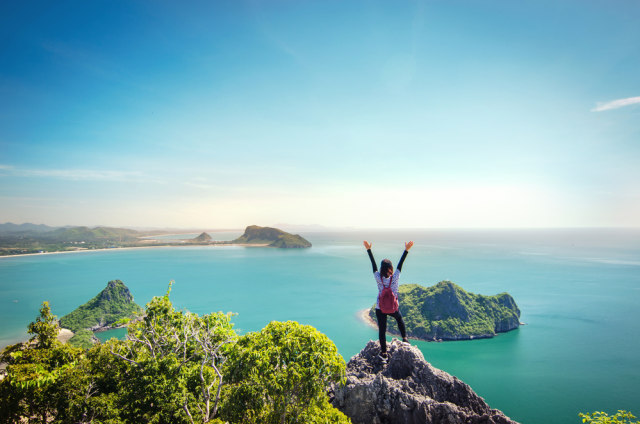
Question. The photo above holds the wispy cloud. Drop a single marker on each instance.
(615, 104)
(73, 174)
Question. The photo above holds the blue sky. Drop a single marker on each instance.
(360, 113)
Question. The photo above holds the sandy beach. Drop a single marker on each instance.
(366, 318)
(134, 247)
(65, 335)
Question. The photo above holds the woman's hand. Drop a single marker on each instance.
(408, 245)
(367, 245)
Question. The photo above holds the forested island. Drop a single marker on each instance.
(29, 239)
(113, 307)
(448, 312)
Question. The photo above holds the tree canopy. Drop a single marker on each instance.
(174, 367)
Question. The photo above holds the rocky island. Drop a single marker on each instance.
(447, 312)
(112, 307)
(271, 237)
(407, 390)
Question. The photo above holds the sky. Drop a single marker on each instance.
(365, 114)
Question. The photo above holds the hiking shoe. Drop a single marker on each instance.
(383, 357)
(405, 341)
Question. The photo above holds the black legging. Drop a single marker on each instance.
(382, 327)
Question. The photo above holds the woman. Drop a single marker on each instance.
(385, 278)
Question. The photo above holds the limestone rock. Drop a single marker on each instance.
(407, 390)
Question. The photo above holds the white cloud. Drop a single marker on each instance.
(73, 174)
(615, 104)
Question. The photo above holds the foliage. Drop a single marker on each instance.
(82, 338)
(184, 352)
(174, 367)
(34, 371)
(447, 311)
(111, 305)
(599, 417)
(280, 375)
(45, 328)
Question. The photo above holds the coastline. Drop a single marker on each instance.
(133, 247)
(364, 317)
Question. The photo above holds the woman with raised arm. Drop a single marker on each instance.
(386, 279)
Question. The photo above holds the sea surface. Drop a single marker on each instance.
(578, 290)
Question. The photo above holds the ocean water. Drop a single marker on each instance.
(578, 291)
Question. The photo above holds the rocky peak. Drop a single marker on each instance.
(116, 290)
(408, 390)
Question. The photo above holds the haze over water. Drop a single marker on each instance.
(577, 289)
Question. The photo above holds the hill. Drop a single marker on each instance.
(447, 312)
(86, 234)
(202, 238)
(112, 305)
(272, 237)
(26, 228)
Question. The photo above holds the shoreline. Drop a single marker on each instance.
(364, 317)
(134, 247)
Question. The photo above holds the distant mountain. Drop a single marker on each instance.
(114, 303)
(272, 237)
(91, 234)
(9, 228)
(448, 312)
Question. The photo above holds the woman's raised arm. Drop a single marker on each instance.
(408, 245)
(367, 246)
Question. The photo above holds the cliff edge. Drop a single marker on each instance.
(407, 390)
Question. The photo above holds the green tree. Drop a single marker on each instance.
(280, 375)
(35, 369)
(175, 361)
(599, 417)
(45, 328)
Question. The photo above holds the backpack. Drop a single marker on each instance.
(387, 300)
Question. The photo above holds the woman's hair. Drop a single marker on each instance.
(384, 266)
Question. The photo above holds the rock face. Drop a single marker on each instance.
(448, 312)
(407, 390)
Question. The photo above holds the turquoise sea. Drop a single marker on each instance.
(578, 291)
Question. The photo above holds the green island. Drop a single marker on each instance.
(31, 239)
(448, 312)
(113, 307)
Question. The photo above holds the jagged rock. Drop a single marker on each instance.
(407, 390)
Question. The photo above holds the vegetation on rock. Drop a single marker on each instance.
(112, 305)
(272, 237)
(447, 312)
